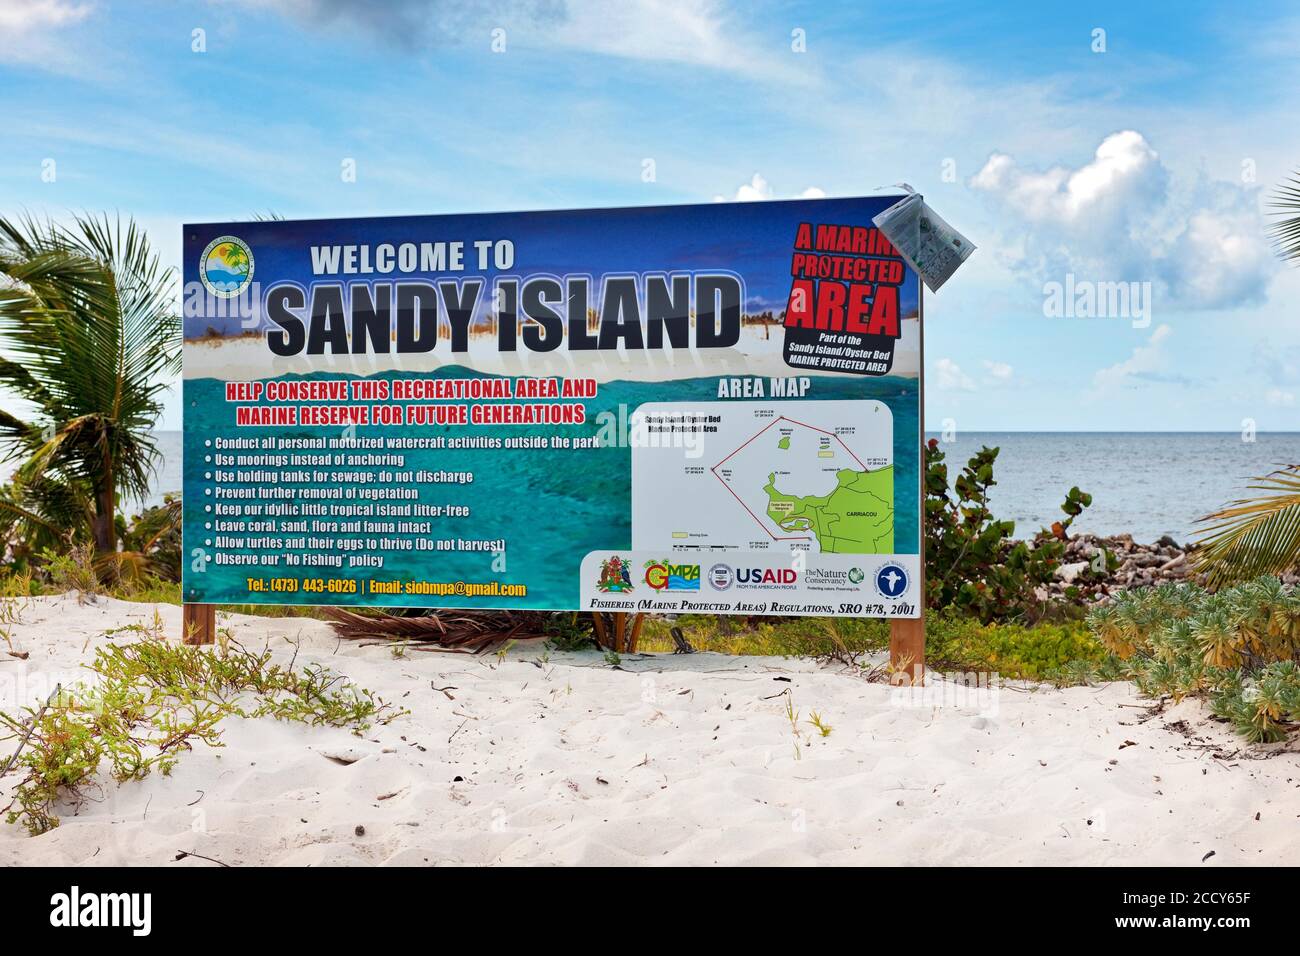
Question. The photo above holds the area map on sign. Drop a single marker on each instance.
(755, 476)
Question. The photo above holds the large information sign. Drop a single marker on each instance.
(683, 409)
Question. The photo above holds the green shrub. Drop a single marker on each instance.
(569, 632)
(1064, 651)
(152, 701)
(971, 562)
(1039, 652)
(1237, 647)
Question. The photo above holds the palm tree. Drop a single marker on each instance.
(1254, 536)
(1261, 535)
(88, 337)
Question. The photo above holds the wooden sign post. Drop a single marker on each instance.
(907, 635)
(199, 623)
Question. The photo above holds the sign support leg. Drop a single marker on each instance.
(598, 625)
(199, 623)
(907, 650)
(634, 642)
(907, 635)
(619, 635)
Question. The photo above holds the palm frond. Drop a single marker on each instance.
(1254, 536)
(91, 335)
(1286, 206)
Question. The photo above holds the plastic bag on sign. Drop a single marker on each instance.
(931, 246)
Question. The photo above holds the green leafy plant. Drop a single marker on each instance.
(71, 570)
(792, 716)
(956, 642)
(149, 702)
(1237, 647)
(1260, 535)
(569, 631)
(823, 728)
(971, 562)
(90, 337)
(1253, 536)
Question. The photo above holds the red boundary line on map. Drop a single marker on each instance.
(779, 418)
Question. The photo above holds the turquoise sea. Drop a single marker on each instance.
(552, 505)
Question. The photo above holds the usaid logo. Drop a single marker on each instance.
(767, 577)
(73, 909)
(721, 577)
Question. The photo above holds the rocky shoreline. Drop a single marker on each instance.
(1128, 565)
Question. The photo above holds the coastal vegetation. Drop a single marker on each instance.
(1261, 534)
(151, 700)
(90, 340)
(1061, 652)
(972, 562)
(1238, 648)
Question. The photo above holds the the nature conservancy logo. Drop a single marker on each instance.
(833, 579)
(666, 576)
(226, 266)
(75, 908)
(615, 575)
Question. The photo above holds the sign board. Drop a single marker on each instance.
(706, 408)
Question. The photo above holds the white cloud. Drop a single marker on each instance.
(27, 29)
(1000, 371)
(758, 189)
(950, 378)
(1280, 397)
(1147, 364)
(1119, 217)
(1124, 169)
(702, 33)
(680, 31)
(26, 15)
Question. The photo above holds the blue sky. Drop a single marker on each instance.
(1142, 154)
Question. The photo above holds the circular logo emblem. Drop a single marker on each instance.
(891, 580)
(856, 575)
(721, 577)
(226, 266)
(656, 575)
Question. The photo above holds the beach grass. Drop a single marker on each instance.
(1042, 651)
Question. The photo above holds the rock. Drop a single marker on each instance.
(1070, 572)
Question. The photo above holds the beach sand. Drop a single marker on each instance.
(674, 760)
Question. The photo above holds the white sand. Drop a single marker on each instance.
(671, 760)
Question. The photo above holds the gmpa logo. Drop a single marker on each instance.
(891, 580)
(615, 575)
(663, 576)
(226, 266)
(767, 577)
(721, 577)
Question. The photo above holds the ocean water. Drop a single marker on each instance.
(1147, 484)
